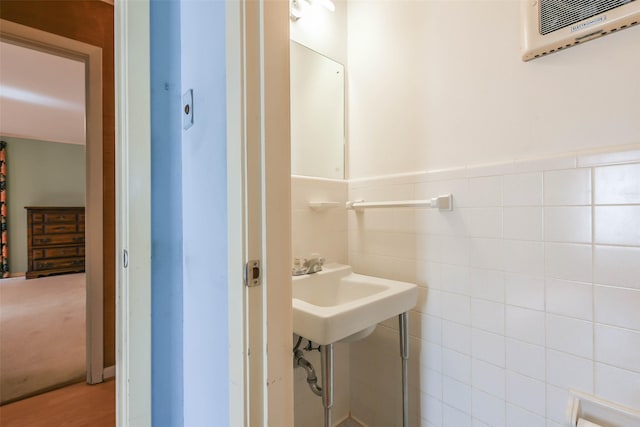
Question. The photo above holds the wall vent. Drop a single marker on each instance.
(553, 25)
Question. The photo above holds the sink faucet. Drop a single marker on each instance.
(309, 265)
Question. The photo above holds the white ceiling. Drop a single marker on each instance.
(42, 96)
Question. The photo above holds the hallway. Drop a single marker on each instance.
(77, 405)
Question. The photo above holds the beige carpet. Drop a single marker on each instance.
(42, 334)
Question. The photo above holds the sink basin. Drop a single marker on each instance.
(337, 304)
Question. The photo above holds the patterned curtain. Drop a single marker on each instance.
(4, 249)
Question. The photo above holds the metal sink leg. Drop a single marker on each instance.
(326, 360)
(404, 352)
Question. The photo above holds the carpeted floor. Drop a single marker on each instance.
(42, 334)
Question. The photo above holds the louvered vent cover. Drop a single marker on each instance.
(556, 14)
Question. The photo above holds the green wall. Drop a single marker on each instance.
(39, 174)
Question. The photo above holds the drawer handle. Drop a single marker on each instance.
(45, 240)
(78, 239)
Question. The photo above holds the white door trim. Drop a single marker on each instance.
(259, 179)
(237, 293)
(277, 211)
(245, 207)
(92, 56)
(133, 213)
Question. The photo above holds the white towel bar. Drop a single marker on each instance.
(444, 203)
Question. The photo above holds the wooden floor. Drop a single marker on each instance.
(76, 405)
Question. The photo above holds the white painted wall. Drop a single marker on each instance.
(531, 281)
(204, 186)
(39, 173)
(440, 84)
(42, 96)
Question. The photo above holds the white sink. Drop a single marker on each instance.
(336, 304)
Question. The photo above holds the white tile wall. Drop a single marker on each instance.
(488, 378)
(617, 185)
(526, 393)
(571, 299)
(567, 224)
(487, 315)
(565, 370)
(524, 291)
(617, 266)
(608, 341)
(573, 336)
(617, 225)
(456, 365)
(517, 416)
(530, 287)
(525, 324)
(488, 409)
(523, 189)
(522, 223)
(618, 385)
(567, 187)
(526, 359)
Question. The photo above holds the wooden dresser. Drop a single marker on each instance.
(55, 240)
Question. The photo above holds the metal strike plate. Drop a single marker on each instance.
(252, 273)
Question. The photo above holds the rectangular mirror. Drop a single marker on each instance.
(317, 114)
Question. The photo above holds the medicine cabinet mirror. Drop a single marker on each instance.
(317, 114)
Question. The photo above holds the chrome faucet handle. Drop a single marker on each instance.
(314, 263)
(299, 266)
(316, 258)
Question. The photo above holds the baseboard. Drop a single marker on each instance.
(109, 372)
(12, 275)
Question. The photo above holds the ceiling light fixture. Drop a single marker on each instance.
(297, 8)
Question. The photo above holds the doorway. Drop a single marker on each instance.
(91, 58)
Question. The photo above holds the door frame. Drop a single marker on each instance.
(258, 115)
(133, 213)
(261, 383)
(92, 57)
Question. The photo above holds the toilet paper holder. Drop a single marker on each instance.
(586, 410)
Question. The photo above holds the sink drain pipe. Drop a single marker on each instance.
(312, 380)
(326, 371)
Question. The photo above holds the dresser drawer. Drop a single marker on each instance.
(66, 252)
(50, 264)
(37, 253)
(53, 217)
(57, 239)
(60, 228)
